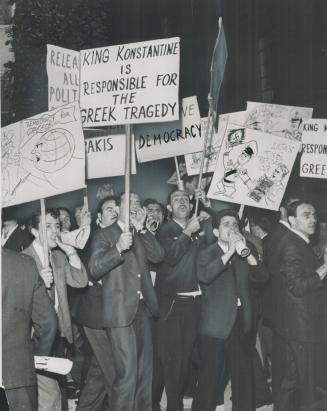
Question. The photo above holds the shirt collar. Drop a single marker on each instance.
(39, 251)
(179, 223)
(223, 246)
(121, 225)
(285, 224)
(303, 236)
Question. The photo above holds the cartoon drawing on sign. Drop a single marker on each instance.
(36, 154)
(283, 121)
(53, 150)
(8, 159)
(270, 186)
(294, 132)
(234, 137)
(234, 161)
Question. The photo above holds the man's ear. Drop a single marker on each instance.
(169, 208)
(35, 233)
(99, 216)
(117, 209)
(216, 232)
(291, 220)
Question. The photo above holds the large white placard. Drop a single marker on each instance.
(43, 156)
(283, 121)
(63, 76)
(253, 168)
(157, 141)
(105, 156)
(130, 83)
(314, 149)
(193, 161)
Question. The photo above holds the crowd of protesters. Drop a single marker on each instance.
(175, 302)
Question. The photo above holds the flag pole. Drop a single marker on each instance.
(205, 143)
(44, 233)
(180, 184)
(127, 174)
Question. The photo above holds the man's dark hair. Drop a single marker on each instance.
(292, 207)
(173, 192)
(104, 200)
(265, 219)
(149, 201)
(217, 217)
(36, 217)
(63, 209)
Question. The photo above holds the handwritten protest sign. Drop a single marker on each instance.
(283, 121)
(314, 149)
(105, 156)
(130, 83)
(43, 156)
(193, 161)
(63, 76)
(253, 168)
(157, 141)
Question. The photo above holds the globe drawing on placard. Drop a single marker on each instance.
(54, 150)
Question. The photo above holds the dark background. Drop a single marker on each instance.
(277, 54)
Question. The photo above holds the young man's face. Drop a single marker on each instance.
(65, 220)
(109, 213)
(154, 210)
(180, 206)
(305, 220)
(52, 231)
(227, 226)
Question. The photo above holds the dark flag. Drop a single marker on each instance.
(218, 64)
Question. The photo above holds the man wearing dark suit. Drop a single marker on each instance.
(24, 300)
(225, 319)
(14, 236)
(300, 322)
(66, 269)
(121, 260)
(88, 311)
(178, 291)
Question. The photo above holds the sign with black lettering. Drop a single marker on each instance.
(63, 76)
(314, 149)
(157, 141)
(130, 83)
(105, 156)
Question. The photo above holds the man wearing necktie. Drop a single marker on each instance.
(66, 269)
(121, 260)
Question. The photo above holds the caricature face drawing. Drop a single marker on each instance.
(234, 170)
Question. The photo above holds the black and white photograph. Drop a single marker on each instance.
(163, 205)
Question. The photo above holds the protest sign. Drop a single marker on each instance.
(193, 161)
(63, 76)
(43, 156)
(105, 156)
(314, 149)
(283, 121)
(130, 83)
(157, 141)
(253, 168)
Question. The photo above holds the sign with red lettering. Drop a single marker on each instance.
(130, 83)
